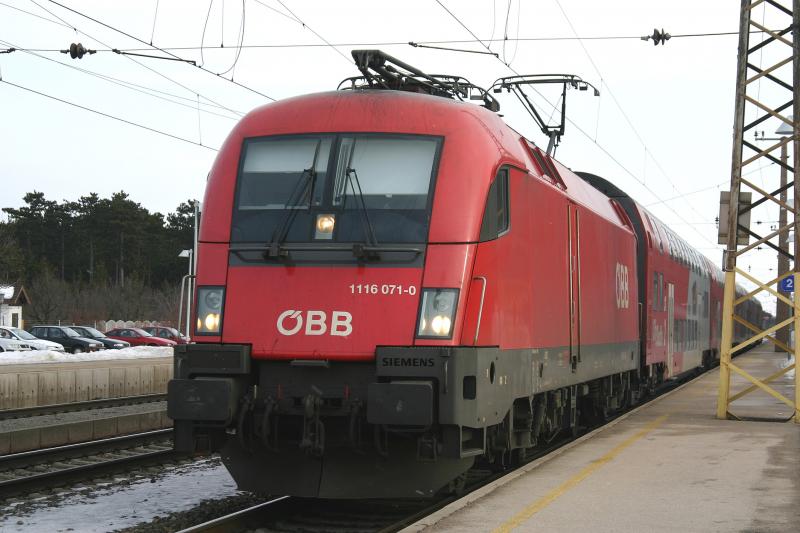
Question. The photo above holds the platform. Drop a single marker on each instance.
(33, 433)
(669, 465)
(28, 385)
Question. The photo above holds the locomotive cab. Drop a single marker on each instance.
(329, 317)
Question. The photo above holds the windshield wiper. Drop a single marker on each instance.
(304, 185)
(362, 251)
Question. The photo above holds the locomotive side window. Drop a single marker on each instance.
(495, 216)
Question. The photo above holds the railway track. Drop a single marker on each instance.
(300, 514)
(308, 515)
(60, 465)
(41, 410)
(290, 514)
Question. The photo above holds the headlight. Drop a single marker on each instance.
(436, 313)
(324, 227)
(209, 310)
(118, 345)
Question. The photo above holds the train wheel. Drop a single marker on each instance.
(454, 487)
(519, 457)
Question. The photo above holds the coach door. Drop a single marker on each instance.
(574, 246)
(670, 326)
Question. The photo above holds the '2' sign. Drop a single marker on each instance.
(787, 284)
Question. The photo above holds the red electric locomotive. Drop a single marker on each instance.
(392, 285)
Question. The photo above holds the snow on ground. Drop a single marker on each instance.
(49, 356)
(124, 501)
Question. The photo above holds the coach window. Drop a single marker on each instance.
(495, 216)
(655, 291)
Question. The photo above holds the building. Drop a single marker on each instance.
(12, 299)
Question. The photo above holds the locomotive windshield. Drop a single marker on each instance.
(366, 187)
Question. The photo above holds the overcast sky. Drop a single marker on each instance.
(661, 128)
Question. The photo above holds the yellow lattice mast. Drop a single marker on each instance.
(782, 76)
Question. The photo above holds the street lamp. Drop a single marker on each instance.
(782, 310)
(188, 253)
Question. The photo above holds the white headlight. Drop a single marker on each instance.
(441, 325)
(437, 312)
(209, 310)
(212, 321)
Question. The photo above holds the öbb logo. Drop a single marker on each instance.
(290, 322)
(623, 292)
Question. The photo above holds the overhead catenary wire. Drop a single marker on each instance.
(40, 6)
(491, 39)
(505, 33)
(494, 20)
(149, 91)
(451, 49)
(107, 115)
(690, 193)
(418, 43)
(458, 41)
(647, 151)
(146, 67)
(203, 36)
(717, 186)
(155, 17)
(309, 28)
(60, 23)
(581, 130)
(278, 11)
(240, 40)
(126, 34)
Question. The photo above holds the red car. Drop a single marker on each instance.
(138, 337)
(167, 333)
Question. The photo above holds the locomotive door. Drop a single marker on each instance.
(573, 252)
(670, 326)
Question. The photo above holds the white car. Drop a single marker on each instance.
(23, 337)
(11, 345)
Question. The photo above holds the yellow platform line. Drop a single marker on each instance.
(554, 494)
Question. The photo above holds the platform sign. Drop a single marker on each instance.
(787, 284)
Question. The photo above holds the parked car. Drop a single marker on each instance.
(138, 337)
(167, 333)
(25, 337)
(68, 337)
(97, 335)
(10, 344)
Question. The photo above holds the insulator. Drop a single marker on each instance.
(660, 37)
(77, 51)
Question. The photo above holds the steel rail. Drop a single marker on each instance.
(40, 410)
(245, 518)
(23, 471)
